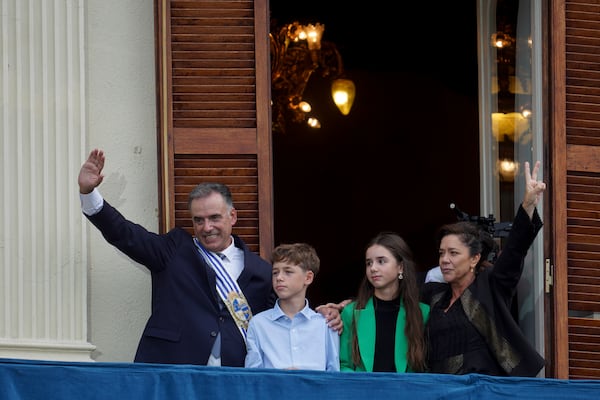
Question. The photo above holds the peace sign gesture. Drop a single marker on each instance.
(533, 188)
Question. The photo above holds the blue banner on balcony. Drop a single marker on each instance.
(49, 380)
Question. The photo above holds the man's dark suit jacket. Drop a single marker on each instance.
(186, 317)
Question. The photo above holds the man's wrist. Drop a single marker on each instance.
(92, 202)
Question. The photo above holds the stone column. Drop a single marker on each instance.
(43, 255)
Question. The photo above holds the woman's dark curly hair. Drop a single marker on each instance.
(478, 240)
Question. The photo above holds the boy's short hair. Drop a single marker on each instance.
(301, 254)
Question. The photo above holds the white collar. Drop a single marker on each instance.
(230, 251)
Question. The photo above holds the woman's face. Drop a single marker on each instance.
(382, 271)
(456, 263)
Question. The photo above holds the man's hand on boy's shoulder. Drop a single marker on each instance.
(331, 312)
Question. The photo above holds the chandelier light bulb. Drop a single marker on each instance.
(340, 97)
(343, 92)
(314, 123)
(313, 35)
(305, 106)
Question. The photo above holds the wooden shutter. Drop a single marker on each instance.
(214, 110)
(575, 153)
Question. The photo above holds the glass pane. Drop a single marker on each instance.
(510, 135)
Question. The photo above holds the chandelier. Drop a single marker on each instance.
(296, 52)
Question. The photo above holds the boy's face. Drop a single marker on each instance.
(290, 280)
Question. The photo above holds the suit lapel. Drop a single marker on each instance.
(365, 329)
(206, 273)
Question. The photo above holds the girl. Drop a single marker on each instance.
(384, 326)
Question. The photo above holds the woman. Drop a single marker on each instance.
(470, 327)
(384, 326)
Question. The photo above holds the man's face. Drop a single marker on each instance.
(213, 221)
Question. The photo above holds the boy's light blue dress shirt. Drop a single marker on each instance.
(305, 342)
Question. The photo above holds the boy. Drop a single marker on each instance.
(291, 335)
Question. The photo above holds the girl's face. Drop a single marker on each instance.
(455, 260)
(382, 271)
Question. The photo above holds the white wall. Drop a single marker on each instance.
(121, 98)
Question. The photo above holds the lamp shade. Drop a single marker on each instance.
(313, 35)
(343, 92)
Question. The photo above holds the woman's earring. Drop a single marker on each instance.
(400, 276)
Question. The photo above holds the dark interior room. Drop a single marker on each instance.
(408, 148)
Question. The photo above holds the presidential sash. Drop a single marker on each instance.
(228, 290)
